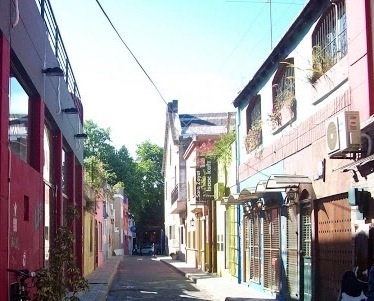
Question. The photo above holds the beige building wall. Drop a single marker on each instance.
(88, 243)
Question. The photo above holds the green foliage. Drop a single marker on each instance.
(98, 142)
(285, 99)
(221, 150)
(254, 136)
(62, 279)
(98, 146)
(142, 179)
(97, 173)
(320, 64)
(149, 209)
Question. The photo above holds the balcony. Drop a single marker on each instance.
(60, 52)
(178, 199)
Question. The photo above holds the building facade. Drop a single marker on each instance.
(295, 213)
(305, 157)
(41, 151)
(119, 200)
(185, 205)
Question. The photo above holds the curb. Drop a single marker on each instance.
(175, 268)
(110, 280)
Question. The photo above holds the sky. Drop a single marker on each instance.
(199, 52)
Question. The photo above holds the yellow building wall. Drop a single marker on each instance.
(89, 243)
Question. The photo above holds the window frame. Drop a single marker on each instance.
(329, 39)
(253, 137)
(283, 95)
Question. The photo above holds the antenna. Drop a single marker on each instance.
(271, 25)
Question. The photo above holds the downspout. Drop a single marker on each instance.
(238, 206)
(239, 244)
(369, 9)
(9, 212)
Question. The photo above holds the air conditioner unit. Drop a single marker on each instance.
(219, 190)
(343, 134)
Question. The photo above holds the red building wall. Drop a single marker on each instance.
(4, 108)
(22, 187)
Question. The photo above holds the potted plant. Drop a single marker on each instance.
(173, 256)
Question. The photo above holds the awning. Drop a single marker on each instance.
(249, 194)
(232, 199)
(286, 181)
(274, 188)
(261, 187)
(355, 164)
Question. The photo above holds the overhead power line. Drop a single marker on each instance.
(124, 43)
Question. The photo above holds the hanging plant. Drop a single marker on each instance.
(320, 64)
(284, 108)
(254, 136)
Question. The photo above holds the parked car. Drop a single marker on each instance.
(146, 250)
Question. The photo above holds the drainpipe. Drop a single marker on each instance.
(238, 206)
(239, 245)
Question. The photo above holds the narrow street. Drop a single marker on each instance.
(146, 278)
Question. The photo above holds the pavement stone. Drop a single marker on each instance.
(220, 288)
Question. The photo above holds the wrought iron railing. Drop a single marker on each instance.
(330, 36)
(174, 194)
(58, 46)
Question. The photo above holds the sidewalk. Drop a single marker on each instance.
(220, 288)
(100, 280)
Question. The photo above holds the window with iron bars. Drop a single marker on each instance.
(254, 126)
(329, 39)
(284, 100)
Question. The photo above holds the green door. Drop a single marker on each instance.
(306, 253)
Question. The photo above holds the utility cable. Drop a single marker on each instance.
(124, 43)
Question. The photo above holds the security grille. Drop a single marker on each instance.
(330, 37)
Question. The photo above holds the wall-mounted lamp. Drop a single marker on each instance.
(192, 222)
(260, 203)
(81, 136)
(55, 71)
(247, 206)
(292, 194)
(70, 110)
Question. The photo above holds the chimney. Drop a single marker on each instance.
(173, 106)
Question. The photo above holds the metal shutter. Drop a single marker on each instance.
(292, 252)
(254, 247)
(272, 266)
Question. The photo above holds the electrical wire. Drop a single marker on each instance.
(132, 54)
(137, 61)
